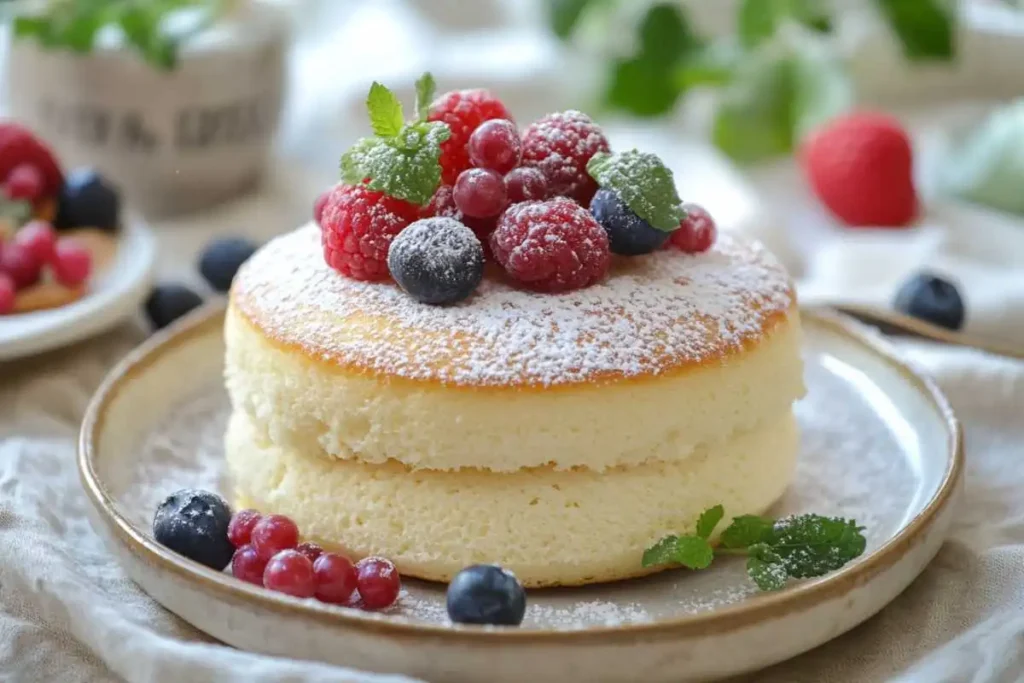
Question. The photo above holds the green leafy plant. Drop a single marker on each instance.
(779, 76)
(798, 547)
(75, 24)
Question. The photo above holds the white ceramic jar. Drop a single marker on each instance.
(174, 141)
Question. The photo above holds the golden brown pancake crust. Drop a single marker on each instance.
(654, 315)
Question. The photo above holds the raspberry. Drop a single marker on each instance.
(378, 582)
(7, 294)
(696, 233)
(240, 528)
(272, 534)
(24, 182)
(552, 246)
(358, 226)
(442, 204)
(19, 146)
(560, 145)
(320, 204)
(463, 111)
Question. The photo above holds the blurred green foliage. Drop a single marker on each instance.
(779, 76)
(75, 24)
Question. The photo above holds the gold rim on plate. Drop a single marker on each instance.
(209, 320)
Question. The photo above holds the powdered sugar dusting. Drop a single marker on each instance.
(649, 315)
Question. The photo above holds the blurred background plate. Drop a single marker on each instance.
(114, 295)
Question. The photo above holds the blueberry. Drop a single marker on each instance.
(628, 234)
(486, 594)
(437, 260)
(933, 299)
(87, 200)
(195, 524)
(221, 260)
(167, 303)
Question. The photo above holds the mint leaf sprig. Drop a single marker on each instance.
(797, 547)
(401, 159)
(643, 182)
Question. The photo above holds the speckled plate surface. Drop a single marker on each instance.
(114, 292)
(879, 444)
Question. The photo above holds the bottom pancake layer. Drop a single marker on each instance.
(549, 527)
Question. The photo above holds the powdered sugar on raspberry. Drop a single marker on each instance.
(552, 246)
(649, 315)
(560, 145)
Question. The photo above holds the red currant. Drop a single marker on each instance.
(25, 182)
(335, 578)
(72, 263)
(525, 184)
(480, 193)
(20, 265)
(696, 233)
(274, 533)
(240, 527)
(40, 239)
(310, 550)
(290, 572)
(378, 582)
(495, 144)
(247, 565)
(7, 294)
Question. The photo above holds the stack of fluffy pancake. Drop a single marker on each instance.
(555, 435)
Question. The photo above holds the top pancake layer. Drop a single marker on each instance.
(652, 315)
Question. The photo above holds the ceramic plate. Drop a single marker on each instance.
(114, 294)
(879, 444)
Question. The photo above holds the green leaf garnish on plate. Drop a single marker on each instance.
(797, 547)
(692, 552)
